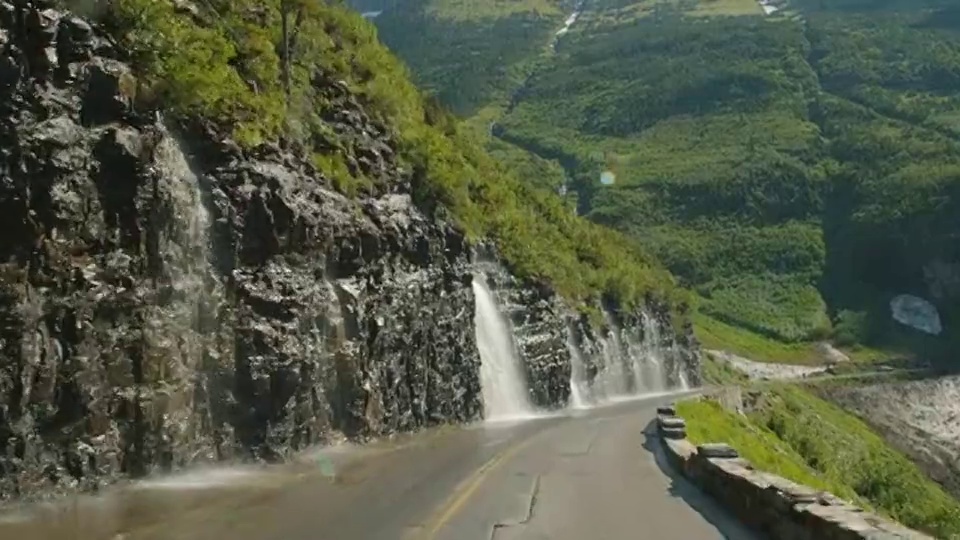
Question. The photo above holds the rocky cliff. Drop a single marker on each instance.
(168, 298)
(917, 417)
(546, 328)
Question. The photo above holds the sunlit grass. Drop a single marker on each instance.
(491, 9)
(791, 432)
(714, 334)
(708, 422)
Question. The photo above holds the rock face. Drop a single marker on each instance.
(153, 314)
(543, 324)
(917, 313)
(167, 299)
(920, 418)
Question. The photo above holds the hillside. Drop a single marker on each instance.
(797, 170)
(234, 79)
(787, 430)
(221, 243)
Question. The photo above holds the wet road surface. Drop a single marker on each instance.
(589, 475)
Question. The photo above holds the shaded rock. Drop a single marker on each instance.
(671, 422)
(916, 313)
(667, 410)
(674, 432)
(717, 450)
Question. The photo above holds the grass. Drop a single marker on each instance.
(708, 421)
(472, 10)
(714, 334)
(720, 373)
(713, 8)
(620, 10)
(791, 432)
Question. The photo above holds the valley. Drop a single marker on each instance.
(750, 154)
(448, 268)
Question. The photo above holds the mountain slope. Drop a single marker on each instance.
(211, 253)
(797, 170)
(534, 231)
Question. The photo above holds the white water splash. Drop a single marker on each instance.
(628, 368)
(654, 359)
(503, 385)
(579, 391)
(200, 479)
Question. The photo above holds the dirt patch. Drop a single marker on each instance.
(765, 370)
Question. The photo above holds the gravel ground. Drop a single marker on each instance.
(766, 370)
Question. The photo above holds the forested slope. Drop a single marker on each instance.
(797, 170)
(227, 71)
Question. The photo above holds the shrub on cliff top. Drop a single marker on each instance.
(222, 62)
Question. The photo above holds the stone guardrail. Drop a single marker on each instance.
(773, 505)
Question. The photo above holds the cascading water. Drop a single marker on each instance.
(502, 382)
(655, 378)
(628, 367)
(174, 332)
(579, 389)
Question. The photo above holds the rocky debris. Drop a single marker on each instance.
(920, 418)
(917, 313)
(765, 370)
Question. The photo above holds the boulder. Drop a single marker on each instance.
(717, 450)
(917, 313)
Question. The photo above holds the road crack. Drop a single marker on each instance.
(532, 503)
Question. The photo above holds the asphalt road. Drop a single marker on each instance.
(590, 475)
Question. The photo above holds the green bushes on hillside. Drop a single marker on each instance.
(787, 168)
(225, 66)
(791, 432)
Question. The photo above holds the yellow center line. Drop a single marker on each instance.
(461, 495)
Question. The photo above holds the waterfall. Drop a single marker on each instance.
(627, 366)
(579, 390)
(653, 356)
(614, 374)
(502, 382)
(171, 163)
(173, 331)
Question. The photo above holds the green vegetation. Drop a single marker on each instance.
(716, 335)
(224, 66)
(708, 421)
(720, 373)
(795, 171)
(790, 432)
(470, 54)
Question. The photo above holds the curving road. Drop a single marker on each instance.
(595, 475)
